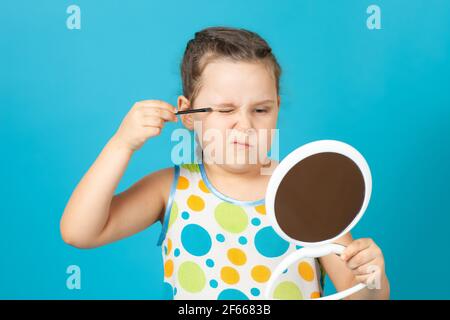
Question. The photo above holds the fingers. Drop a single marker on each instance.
(152, 122)
(144, 120)
(364, 269)
(366, 279)
(157, 108)
(353, 248)
(152, 131)
(157, 104)
(151, 116)
(372, 278)
(361, 258)
(159, 112)
(365, 260)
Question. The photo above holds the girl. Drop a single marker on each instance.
(216, 241)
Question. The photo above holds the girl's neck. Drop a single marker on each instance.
(247, 184)
(225, 172)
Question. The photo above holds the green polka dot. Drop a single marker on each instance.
(173, 214)
(230, 217)
(191, 277)
(192, 167)
(287, 290)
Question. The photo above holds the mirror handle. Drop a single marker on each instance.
(311, 252)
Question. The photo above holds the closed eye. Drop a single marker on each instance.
(226, 111)
(261, 110)
(257, 110)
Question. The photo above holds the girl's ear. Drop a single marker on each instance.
(186, 119)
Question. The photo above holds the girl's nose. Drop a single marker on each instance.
(243, 121)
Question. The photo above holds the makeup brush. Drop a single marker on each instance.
(194, 111)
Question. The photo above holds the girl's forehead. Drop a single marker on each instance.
(238, 83)
(224, 77)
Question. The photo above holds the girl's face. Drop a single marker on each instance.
(244, 96)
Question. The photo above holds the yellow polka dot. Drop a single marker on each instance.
(183, 183)
(315, 295)
(169, 246)
(229, 275)
(237, 256)
(261, 209)
(306, 271)
(261, 273)
(168, 268)
(195, 203)
(203, 187)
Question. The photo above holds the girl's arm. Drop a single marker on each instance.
(358, 260)
(93, 215)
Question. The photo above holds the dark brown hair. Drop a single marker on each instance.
(223, 43)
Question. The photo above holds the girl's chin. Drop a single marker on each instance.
(239, 161)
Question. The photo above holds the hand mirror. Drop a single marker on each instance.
(315, 195)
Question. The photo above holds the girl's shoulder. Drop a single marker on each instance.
(167, 179)
(158, 185)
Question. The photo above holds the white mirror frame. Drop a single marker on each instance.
(298, 155)
(321, 248)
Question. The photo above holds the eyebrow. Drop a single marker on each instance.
(229, 104)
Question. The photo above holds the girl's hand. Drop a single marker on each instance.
(145, 120)
(365, 259)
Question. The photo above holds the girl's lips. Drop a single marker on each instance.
(241, 144)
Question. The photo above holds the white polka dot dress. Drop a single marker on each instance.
(215, 247)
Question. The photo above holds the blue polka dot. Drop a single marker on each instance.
(174, 291)
(167, 291)
(165, 250)
(256, 222)
(242, 240)
(232, 294)
(213, 283)
(195, 240)
(176, 252)
(185, 215)
(297, 247)
(269, 243)
(210, 263)
(255, 292)
(220, 237)
(285, 270)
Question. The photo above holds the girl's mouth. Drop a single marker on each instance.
(241, 144)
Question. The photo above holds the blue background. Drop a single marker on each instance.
(64, 92)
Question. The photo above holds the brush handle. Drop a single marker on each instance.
(194, 111)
